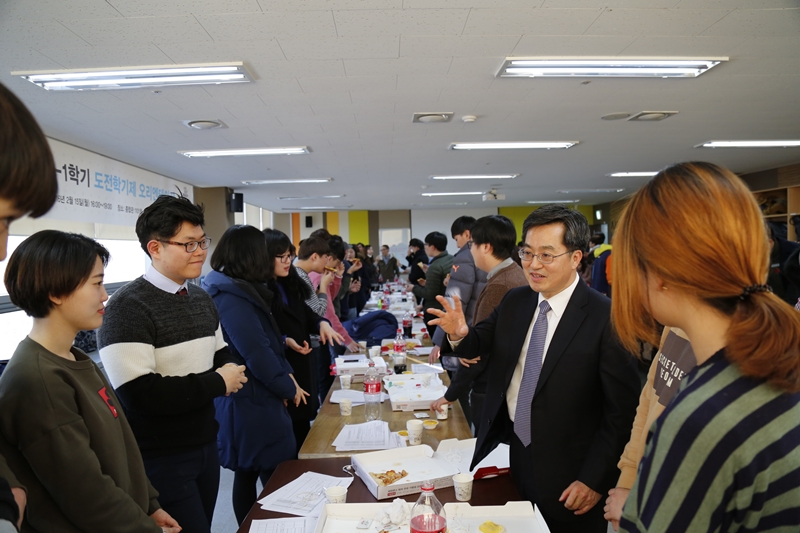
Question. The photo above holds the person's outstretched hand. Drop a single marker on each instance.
(451, 319)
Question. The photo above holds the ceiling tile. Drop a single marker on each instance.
(300, 68)
(571, 45)
(269, 25)
(457, 45)
(422, 83)
(475, 66)
(614, 4)
(331, 98)
(758, 23)
(397, 66)
(375, 97)
(530, 21)
(381, 109)
(27, 59)
(469, 4)
(56, 9)
(407, 21)
(778, 46)
(108, 56)
(47, 33)
(112, 32)
(362, 47)
(250, 52)
(695, 46)
(159, 8)
(736, 4)
(305, 5)
(655, 21)
(363, 83)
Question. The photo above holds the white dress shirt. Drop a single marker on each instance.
(558, 304)
(161, 281)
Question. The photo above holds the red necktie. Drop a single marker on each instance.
(183, 292)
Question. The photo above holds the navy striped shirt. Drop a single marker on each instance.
(723, 457)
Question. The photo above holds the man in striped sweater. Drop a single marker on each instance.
(162, 347)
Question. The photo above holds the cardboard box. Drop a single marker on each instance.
(405, 395)
(516, 517)
(460, 452)
(357, 365)
(344, 517)
(418, 461)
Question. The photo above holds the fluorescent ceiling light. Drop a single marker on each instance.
(633, 174)
(277, 182)
(512, 145)
(452, 193)
(524, 67)
(137, 77)
(588, 191)
(477, 177)
(291, 150)
(309, 197)
(750, 144)
(318, 208)
(543, 202)
(440, 205)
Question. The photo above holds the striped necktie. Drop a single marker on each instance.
(530, 376)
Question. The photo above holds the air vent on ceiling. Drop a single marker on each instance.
(652, 116)
(204, 124)
(427, 118)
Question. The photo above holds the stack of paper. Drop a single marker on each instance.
(374, 435)
(420, 368)
(305, 496)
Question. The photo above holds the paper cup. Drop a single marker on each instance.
(462, 484)
(363, 345)
(442, 415)
(345, 380)
(346, 407)
(426, 380)
(339, 494)
(374, 352)
(414, 428)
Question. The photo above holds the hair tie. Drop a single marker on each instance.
(753, 289)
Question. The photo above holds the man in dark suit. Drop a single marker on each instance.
(561, 389)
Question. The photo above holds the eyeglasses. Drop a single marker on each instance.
(191, 246)
(284, 257)
(544, 258)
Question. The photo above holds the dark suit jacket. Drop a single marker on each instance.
(586, 397)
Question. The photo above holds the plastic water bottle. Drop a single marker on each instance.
(372, 393)
(427, 515)
(408, 321)
(399, 352)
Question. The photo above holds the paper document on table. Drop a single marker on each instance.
(426, 368)
(374, 435)
(305, 496)
(284, 525)
(423, 350)
(355, 395)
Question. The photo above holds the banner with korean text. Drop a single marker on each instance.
(98, 189)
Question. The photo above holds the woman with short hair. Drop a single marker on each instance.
(690, 251)
(62, 431)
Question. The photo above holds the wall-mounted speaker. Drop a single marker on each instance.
(309, 221)
(237, 203)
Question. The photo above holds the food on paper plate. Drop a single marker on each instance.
(411, 345)
(387, 478)
(491, 527)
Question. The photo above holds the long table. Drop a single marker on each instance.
(495, 491)
(329, 423)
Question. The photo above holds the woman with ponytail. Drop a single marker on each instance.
(725, 454)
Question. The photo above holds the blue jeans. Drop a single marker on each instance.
(187, 485)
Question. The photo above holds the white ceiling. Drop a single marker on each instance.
(344, 77)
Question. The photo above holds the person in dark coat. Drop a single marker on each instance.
(255, 433)
(296, 321)
(416, 255)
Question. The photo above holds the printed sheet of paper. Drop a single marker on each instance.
(284, 525)
(356, 396)
(305, 496)
(425, 368)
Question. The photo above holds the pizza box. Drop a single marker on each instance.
(515, 517)
(409, 397)
(344, 517)
(357, 365)
(460, 452)
(418, 461)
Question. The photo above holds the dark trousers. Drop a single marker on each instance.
(476, 405)
(324, 359)
(559, 519)
(245, 493)
(187, 485)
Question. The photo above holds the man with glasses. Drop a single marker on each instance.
(561, 389)
(162, 348)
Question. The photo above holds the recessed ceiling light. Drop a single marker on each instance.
(750, 144)
(588, 191)
(452, 193)
(432, 117)
(652, 116)
(512, 145)
(523, 67)
(204, 124)
(292, 150)
(477, 177)
(543, 202)
(275, 182)
(309, 197)
(632, 174)
(137, 77)
(615, 116)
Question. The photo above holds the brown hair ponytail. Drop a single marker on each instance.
(697, 227)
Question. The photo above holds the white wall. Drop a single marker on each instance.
(424, 221)
(344, 225)
(316, 217)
